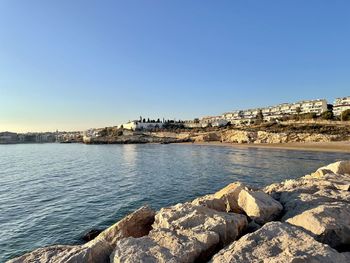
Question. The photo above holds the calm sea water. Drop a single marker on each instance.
(53, 193)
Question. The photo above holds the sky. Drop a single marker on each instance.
(77, 64)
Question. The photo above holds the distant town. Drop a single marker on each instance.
(302, 110)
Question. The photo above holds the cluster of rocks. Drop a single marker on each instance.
(302, 220)
(134, 139)
(241, 136)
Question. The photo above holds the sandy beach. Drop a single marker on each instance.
(342, 146)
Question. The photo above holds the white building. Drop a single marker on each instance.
(137, 125)
(215, 121)
(278, 111)
(340, 105)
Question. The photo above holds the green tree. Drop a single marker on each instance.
(345, 115)
(259, 117)
(327, 115)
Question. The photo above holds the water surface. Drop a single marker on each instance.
(53, 193)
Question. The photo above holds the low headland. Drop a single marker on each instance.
(295, 136)
(301, 220)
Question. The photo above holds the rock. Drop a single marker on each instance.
(329, 222)
(211, 202)
(258, 205)
(164, 245)
(141, 250)
(91, 234)
(98, 250)
(278, 242)
(229, 194)
(182, 233)
(269, 137)
(208, 137)
(137, 224)
(201, 219)
(252, 227)
(341, 167)
(237, 136)
(319, 203)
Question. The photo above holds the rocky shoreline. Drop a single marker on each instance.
(302, 220)
(225, 135)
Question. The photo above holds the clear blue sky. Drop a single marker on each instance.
(75, 64)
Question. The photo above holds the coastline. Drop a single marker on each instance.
(303, 219)
(339, 146)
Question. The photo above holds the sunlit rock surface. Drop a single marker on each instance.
(278, 242)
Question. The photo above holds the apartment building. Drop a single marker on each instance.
(8, 137)
(340, 105)
(277, 111)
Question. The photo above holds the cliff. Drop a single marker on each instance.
(266, 133)
(302, 220)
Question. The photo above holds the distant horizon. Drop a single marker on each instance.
(77, 65)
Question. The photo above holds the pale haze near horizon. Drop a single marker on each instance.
(74, 65)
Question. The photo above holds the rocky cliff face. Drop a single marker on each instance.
(237, 136)
(302, 220)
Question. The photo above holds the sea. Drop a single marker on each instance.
(54, 193)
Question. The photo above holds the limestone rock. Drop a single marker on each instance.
(211, 202)
(164, 245)
(319, 203)
(200, 219)
(137, 224)
(229, 195)
(329, 222)
(258, 205)
(141, 250)
(278, 242)
(182, 233)
(341, 167)
(269, 137)
(98, 250)
(237, 136)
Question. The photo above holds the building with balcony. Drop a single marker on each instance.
(340, 105)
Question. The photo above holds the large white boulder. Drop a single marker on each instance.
(182, 233)
(258, 205)
(319, 203)
(199, 218)
(330, 223)
(278, 242)
(164, 245)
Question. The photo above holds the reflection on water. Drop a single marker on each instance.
(52, 193)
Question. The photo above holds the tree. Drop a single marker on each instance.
(327, 115)
(345, 115)
(259, 117)
(158, 120)
(298, 110)
(148, 121)
(144, 120)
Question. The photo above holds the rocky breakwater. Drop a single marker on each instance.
(302, 220)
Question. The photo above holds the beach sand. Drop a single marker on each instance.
(343, 146)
